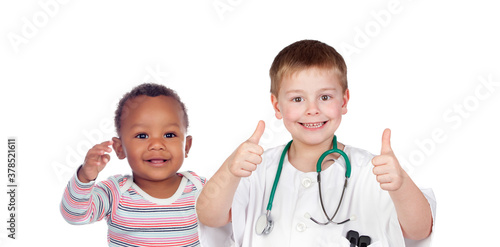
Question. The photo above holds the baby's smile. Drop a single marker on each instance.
(157, 162)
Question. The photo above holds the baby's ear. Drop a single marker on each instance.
(187, 147)
(118, 147)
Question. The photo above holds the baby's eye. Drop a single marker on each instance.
(325, 97)
(169, 135)
(297, 99)
(142, 136)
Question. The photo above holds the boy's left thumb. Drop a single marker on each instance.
(386, 142)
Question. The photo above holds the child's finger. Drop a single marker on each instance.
(104, 146)
(248, 166)
(387, 186)
(386, 142)
(242, 173)
(384, 159)
(105, 158)
(380, 170)
(107, 143)
(254, 159)
(385, 178)
(257, 134)
(381, 160)
(254, 149)
(95, 153)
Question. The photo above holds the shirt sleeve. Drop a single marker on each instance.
(239, 210)
(84, 203)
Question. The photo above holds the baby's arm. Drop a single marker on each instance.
(214, 203)
(82, 201)
(412, 208)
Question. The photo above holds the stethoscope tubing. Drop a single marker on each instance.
(330, 220)
(277, 178)
(268, 220)
(331, 151)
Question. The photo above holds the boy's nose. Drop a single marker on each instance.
(312, 108)
(156, 144)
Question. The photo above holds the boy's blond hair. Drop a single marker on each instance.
(305, 54)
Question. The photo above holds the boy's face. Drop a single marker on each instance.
(153, 137)
(311, 103)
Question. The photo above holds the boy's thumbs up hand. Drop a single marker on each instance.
(244, 160)
(389, 173)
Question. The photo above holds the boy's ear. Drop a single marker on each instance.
(345, 99)
(187, 147)
(118, 147)
(274, 102)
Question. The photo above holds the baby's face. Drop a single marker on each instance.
(153, 137)
(311, 103)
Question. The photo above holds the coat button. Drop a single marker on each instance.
(306, 182)
(301, 226)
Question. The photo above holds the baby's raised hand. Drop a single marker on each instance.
(244, 160)
(389, 173)
(95, 161)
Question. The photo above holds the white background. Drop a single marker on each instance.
(417, 67)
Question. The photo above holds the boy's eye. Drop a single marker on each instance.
(325, 97)
(169, 135)
(142, 136)
(297, 99)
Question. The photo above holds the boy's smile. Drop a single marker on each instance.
(313, 125)
(153, 139)
(311, 103)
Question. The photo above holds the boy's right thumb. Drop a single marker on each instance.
(257, 134)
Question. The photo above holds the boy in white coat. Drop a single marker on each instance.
(309, 93)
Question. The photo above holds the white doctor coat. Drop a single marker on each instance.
(297, 197)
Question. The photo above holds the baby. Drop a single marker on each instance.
(154, 206)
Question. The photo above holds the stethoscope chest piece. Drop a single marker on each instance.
(264, 224)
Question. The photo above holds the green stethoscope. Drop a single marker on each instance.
(265, 223)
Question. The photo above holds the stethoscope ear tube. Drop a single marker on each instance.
(331, 151)
(347, 176)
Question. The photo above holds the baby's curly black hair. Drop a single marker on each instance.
(151, 90)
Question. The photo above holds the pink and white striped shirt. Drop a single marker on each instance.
(135, 218)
